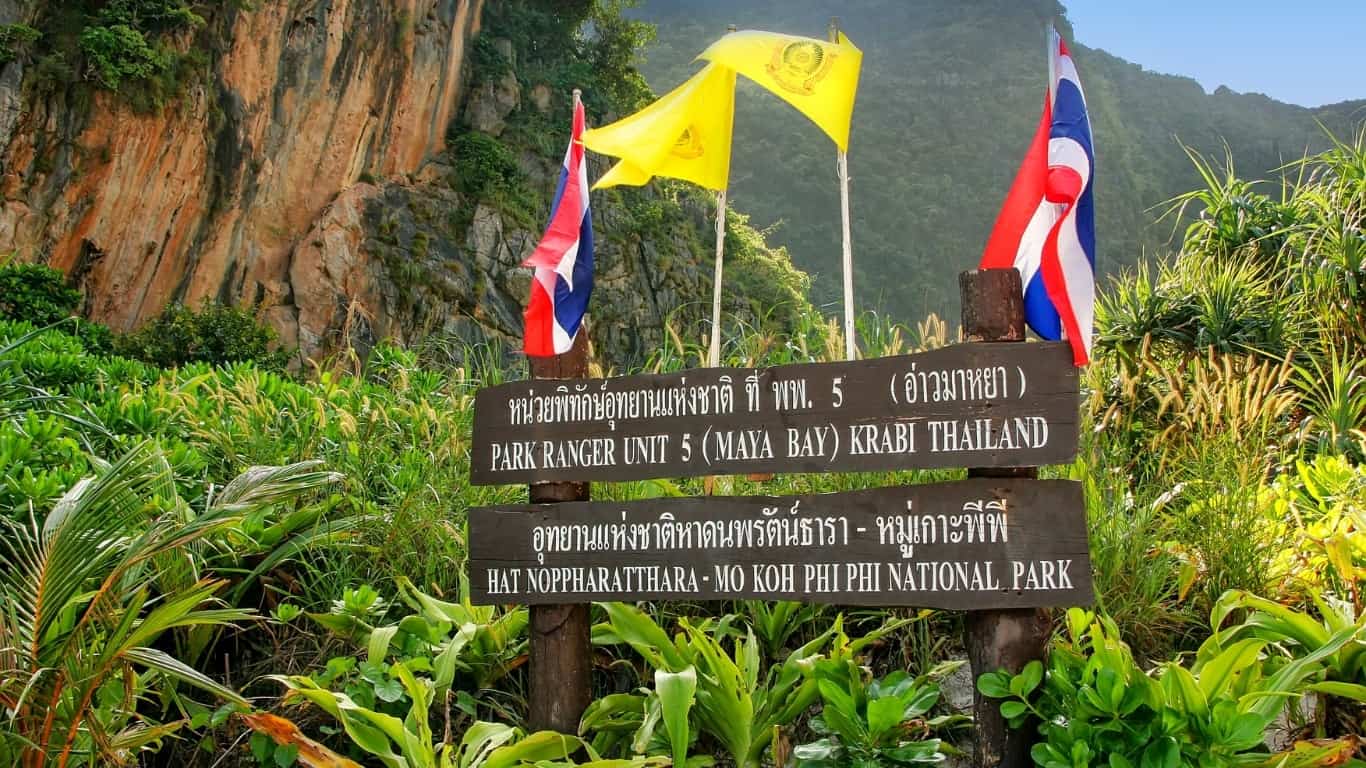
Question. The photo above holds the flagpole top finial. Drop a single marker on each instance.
(834, 28)
(577, 94)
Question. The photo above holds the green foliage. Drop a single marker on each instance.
(90, 591)
(1321, 506)
(586, 44)
(15, 41)
(214, 334)
(1094, 705)
(408, 741)
(734, 700)
(487, 166)
(763, 276)
(467, 650)
(119, 45)
(36, 293)
(874, 722)
(949, 96)
(117, 53)
(486, 59)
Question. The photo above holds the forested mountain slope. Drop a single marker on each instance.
(949, 97)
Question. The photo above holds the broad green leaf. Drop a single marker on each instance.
(286, 754)
(479, 741)
(261, 746)
(883, 716)
(1289, 677)
(542, 745)
(1217, 674)
(654, 714)
(1270, 615)
(919, 701)
(1119, 761)
(821, 749)
(388, 690)
(612, 709)
(1245, 731)
(676, 691)
(1011, 710)
(995, 685)
(378, 647)
(915, 752)
(1161, 753)
(1032, 675)
(1354, 691)
(1180, 686)
(446, 662)
(644, 635)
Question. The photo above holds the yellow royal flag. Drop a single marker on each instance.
(817, 77)
(685, 134)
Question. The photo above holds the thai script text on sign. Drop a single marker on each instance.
(967, 405)
(983, 543)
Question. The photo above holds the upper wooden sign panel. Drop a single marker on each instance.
(970, 405)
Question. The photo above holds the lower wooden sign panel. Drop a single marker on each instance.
(971, 544)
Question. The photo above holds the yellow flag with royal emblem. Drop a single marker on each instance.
(819, 78)
(685, 134)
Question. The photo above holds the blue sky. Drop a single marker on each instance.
(1309, 52)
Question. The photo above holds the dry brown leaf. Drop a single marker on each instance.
(283, 731)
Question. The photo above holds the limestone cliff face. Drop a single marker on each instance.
(308, 175)
(208, 197)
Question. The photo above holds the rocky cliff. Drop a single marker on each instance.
(355, 169)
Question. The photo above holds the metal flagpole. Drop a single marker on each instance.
(714, 356)
(842, 161)
(1050, 34)
(714, 352)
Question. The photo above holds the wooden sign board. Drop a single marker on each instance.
(970, 405)
(965, 545)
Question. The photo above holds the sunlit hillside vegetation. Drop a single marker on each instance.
(949, 96)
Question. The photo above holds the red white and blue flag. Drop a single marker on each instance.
(1047, 226)
(563, 260)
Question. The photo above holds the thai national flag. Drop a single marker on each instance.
(1047, 226)
(563, 260)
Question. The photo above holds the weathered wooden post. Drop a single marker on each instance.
(993, 310)
(561, 643)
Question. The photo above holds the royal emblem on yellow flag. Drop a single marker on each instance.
(685, 134)
(817, 77)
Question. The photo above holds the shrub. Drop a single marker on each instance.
(486, 165)
(15, 40)
(214, 334)
(1094, 704)
(120, 53)
(35, 293)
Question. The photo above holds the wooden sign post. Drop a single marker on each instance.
(993, 311)
(561, 651)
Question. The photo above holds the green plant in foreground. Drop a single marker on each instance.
(730, 701)
(1299, 634)
(86, 600)
(408, 742)
(875, 722)
(1096, 706)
